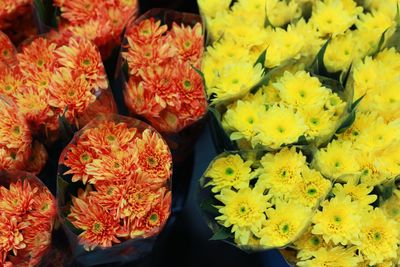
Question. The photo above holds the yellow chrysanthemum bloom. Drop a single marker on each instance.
(284, 45)
(241, 118)
(388, 7)
(312, 189)
(335, 105)
(236, 79)
(338, 221)
(319, 121)
(230, 171)
(334, 257)
(281, 172)
(366, 77)
(363, 121)
(358, 192)
(390, 58)
(391, 207)
(284, 224)
(313, 43)
(280, 12)
(210, 8)
(300, 89)
(226, 49)
(309, 243)
(371, 174)
(271, 94)
(332, 18)
(283, 125)
(337, 160)
(340, 53)
(379, 237)
(244, 210)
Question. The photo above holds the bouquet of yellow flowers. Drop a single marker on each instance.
(321, 73)
(114, 190)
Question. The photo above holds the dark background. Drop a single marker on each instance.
(186, 242)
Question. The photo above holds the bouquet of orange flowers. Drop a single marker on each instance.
(114, 189)
(160, 54)
(28, 211)
(47, 81)
(16, 19)
(101, 22)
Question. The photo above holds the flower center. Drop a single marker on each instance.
(152, 161)
(188, 44)
(86, 62)
(187, 84)
(285, 228)
(8, 88)
(250, 120)
(97, 227)
(40, 62)
(281, 129)
(311, 191)
(377, 236)
(315, 241)
(229, 171)
(5, 52)
(85, 157)
(111, 138)
(153, 218)
(337, 219)
(16, 130)
(314, 121)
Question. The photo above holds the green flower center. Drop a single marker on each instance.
(337, 219)
(315, 241)
(8, 88)
(311, 191)
(152, 161)
(377, 236)
(285, 228)
(111, 138)
(229, 171)
(40, 62)
(97, 227)
(86, 62)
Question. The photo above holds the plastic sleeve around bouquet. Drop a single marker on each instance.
(27, 219)
(245, 203)
(338, 85)
(114, 190)
(18, 148)
(54, 82)
(164, 88)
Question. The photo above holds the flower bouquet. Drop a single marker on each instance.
(16, 19)
(47, 81)
(160, 55)
(114, 190)
(101, 22)
(28, 211)
(257, 200)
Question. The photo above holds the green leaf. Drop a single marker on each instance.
(347, 123)
(344, 76)
(261, 59)
(357, 102)
(380, 44)
(221, 233)
(318, 66)
(302, 141)
(330, 83)
(207, 205)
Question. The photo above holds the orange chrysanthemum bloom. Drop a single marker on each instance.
(110, 194)
(99, 227)
(188, 41)
(155, 218)
(7, 50)
(71, 93)
(18, 199)
(38, 80)
(154, 159)
(82, 56)
(11, 238)
(79, 12)
(147, 31)
(76, 158)
(11, 81)
(37, 56)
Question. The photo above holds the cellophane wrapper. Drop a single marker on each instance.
(137, 244)
(37, 238)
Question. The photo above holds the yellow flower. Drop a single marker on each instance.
(210, 7)
(338, 221)
(371, 174)
(271, 94)
(380, 135)
(227, 49)
(332, 18)
(337, 160)
(363, 121)
(312, 188)
(283, 125)
(281, 172)
(309, 243)
(230, 171)
(391, 58)
(334, 257)
(284, 224)
(318, 121)
(340, 53)
(358, 192)
(391, 207)
(313, 43)
(366, 78)
(236, 79)
(244, 210)
(242, 117)
(300, 89)
(281, 12)
(379, 237)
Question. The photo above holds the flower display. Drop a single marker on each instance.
(28, 211)
(101, 22)
(318, 78)
(262, 200)
(47, 81)
(123, 170)
(162, 84)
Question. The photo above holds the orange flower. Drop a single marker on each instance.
(79, 11)
(188, 41)
(147, 31)
(99, 227)
(39, 80)
(7, 50)
(155, 218)
(110, 194)
(71, 93)
(77, 157)
(44, 208)
(37, 55)
(18, 199)
(11, 238)
(153, 55)
(154, 158)
(10, 81)
(82, 56)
